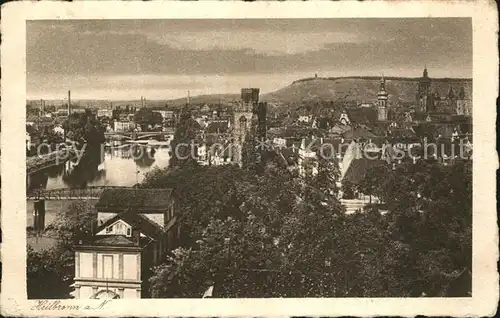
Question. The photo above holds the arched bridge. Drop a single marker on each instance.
(88, 193)
(141, 134)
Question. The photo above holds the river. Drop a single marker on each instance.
(120, 165)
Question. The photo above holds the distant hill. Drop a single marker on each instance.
(205, 99)
(361, 89)
(199, 99)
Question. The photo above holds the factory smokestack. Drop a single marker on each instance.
(69, 103)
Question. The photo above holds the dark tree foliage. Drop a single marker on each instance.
(50, 272)
(84, 128)
(146, 117)
(272, 234)
(183, 150)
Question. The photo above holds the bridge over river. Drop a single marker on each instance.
(88, 193)
(138, 135)
(44, 205)
(40, 162)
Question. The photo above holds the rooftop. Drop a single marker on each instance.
(112, 240)
(135, 198)
(137, 221)
(359, 167)
(362, 115)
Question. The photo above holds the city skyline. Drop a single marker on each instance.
(163, 59)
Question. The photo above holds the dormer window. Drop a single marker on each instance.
(129, 232)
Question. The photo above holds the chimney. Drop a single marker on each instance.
(136, 236)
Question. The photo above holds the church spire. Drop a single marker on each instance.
(382, 97)
(461, 94)
(451, 93)
(382, 86)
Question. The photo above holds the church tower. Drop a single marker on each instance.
(451, 99)
(382, 97)
(242, 120)
(463, 105)
(424, 95)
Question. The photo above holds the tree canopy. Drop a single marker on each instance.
(50, 272)
(271, 234)
(84, 128)
(183, 150)
(145, 117)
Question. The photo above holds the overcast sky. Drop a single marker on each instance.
(163, 59)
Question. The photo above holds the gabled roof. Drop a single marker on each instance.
(362, 115)
(358, 133)
(359, 167)
(290, 156)
(339, 129)
(425, 130)
(378, 129)
(112, 240)
(194, 124)
(445, 131)
(217, 127)
(137, 221)
(401, 133)
(135, 198)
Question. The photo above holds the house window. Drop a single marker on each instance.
(129, 231)
(107, 266)
(109, 229)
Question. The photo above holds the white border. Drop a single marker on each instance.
(485, 87)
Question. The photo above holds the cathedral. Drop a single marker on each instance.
(431, 102)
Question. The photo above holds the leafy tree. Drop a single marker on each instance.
(348, 190)
(183, 151)
(249, 153)
(146, 117)
(50, 272)
(328, 172)
(374, 180)
(272, 234)
(83, 128)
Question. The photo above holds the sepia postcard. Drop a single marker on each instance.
(249, 159)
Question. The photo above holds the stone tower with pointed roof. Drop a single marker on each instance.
(424, 96)
(382, 97)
